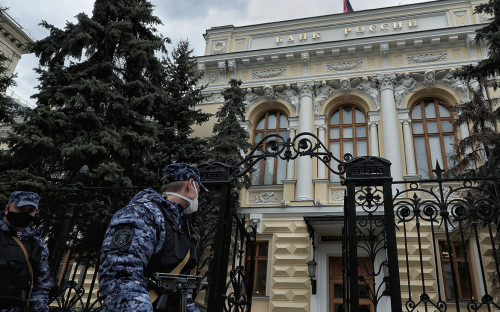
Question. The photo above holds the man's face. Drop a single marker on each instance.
(31, 210)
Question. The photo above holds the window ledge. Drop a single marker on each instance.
(259, 297)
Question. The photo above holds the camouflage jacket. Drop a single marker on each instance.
(134, 235)
(39, 299)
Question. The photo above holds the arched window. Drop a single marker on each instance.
(347, 133)
(270, 170)
(433, 136)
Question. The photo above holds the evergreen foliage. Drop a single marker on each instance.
(227, 144)
(177, 116)
(487, 68)
(476, 149)
(8, 107)
(230, 140)
(99, 81)
(481, 113)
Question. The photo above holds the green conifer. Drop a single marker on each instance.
(100, 79)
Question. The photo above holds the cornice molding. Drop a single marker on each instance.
(340, 18)
(361, 46)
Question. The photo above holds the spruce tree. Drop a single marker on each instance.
(489, 34)
(99, 80)
(478, 111)
(176, 117)
(8, 107)
(476, 149)
(227, 144)
(230, 140)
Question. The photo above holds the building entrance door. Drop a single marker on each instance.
(336, 285)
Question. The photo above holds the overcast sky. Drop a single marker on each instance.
(182, 19)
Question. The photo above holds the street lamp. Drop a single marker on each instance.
(311, 267)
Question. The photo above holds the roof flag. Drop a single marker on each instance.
(347, 7)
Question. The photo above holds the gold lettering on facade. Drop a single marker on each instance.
(359, 29)
(398, 25)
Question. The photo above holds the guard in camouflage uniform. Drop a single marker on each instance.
(24, 257)
(146, 236)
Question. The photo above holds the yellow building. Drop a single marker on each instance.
(376, 82)
(13, 44)
(13, 40)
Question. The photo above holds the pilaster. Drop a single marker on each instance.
(231, 65)
(373, 121)
(411, 166)
(202, 69)
(292, 129)
(471, 46)
(305, 63)
(384, 54)
(222, 70)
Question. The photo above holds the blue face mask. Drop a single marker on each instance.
(193, 203)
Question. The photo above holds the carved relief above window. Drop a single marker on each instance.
(213, 98)
(427, 57)
(344, 65)
(239, 44)
(266, 198)
(218, 47)
(269, 73)
(213, 79)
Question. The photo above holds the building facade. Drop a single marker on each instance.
(14, 43)
(377, 82)
(14, 40)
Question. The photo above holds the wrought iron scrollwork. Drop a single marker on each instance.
(451, 214)
(274, 145)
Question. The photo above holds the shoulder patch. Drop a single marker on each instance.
(122, 238)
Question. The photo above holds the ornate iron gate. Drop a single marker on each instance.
(234, 247)
(432, 244)
(456, 222)
(369, 228)
(440, 234)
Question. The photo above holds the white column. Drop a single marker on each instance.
(321, 165)
(290, 166)
(304, 174)
(411, 168)
(411, 165)
(390, 125)
(464, 131)
(373, 121)
(321, 124)
(374, 139)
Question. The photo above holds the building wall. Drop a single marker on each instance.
(13, 40)
(427, 41)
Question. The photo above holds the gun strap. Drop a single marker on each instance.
(25, 252)
(153, 295)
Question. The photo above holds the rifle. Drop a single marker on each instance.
(172, 283)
